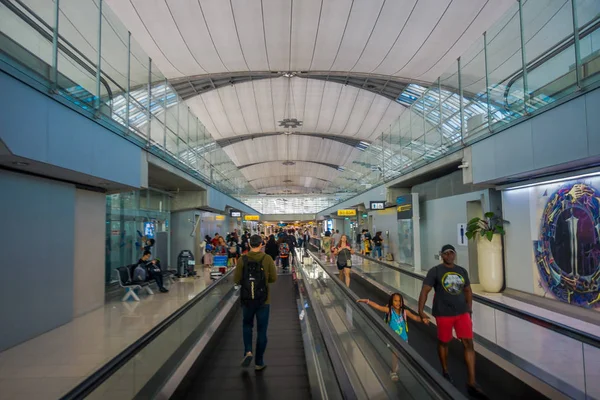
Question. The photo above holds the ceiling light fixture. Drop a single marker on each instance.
(289, 74)
(290, 123)
(20, 163)
(288, 163)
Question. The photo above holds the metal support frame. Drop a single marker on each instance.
(54, 77)
(128, 88)
(440, 111)
(148, 109)
(99, 63)
(177, 130)
(165, 122)
(460, 104)
(576, 44)
(487, 82)
(523, 60)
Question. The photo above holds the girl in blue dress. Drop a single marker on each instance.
(396, 316)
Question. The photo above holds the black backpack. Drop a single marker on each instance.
(254, 290)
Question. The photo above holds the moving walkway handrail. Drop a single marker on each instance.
(422, 368)
(89, 68)
(567, 42)
(554, 326)
(107, 370)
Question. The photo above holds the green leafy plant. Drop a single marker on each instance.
(486, 227)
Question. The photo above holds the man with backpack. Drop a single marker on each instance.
(254, 272)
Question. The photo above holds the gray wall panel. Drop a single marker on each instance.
(592, 107)
(568, 133)
(513, 150)
(37, 239)
(483, 159)
(35, 126)
(559, 135)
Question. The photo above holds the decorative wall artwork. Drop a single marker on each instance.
(567, 246)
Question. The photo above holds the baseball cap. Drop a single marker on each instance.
(447, 247)
(255, 240)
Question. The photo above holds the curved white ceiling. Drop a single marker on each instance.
(290, 147)
(415, 39)
(324, 107)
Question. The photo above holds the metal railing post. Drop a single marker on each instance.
(523, 60)
(149, 111)
(99, 63)
(165, 122)
(576, 44)
(461, 104)
(54, 77)
(440, 111)
(128, 89)
(487, 82)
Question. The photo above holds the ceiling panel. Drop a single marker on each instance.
(406, 38)
(330, 108)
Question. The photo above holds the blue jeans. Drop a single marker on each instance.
(378, 251)
(262, 322)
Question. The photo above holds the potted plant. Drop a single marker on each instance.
(488, 231)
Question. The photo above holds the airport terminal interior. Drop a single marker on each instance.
(300, 199)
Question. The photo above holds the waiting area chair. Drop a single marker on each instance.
(126, 283)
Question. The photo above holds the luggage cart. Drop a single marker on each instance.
(219, 267)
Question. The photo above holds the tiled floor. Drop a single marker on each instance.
(51, 364)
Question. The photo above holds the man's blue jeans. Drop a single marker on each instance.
(378, 251)
(262, 322)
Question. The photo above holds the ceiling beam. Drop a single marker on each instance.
(341, 139)
(384, 85)
(333, 166)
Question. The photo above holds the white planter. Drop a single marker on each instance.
(491, 268)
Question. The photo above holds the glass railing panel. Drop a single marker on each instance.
(591, 355)
(138, 98)
(115, 57)
(504, 61)
(28, 47)
(544, 26)
(146, 369)
(472, 73)
(588, 12)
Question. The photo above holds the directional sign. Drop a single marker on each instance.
(461, 230)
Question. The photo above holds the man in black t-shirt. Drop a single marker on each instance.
(452, 308)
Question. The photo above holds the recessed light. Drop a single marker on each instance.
(289, 74)
(20, 163)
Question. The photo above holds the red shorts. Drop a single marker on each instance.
(462, 324)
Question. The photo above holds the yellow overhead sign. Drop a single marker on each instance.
(220, 218)
(252, 217)
(346, 213)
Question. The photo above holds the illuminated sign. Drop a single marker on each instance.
(251, 217)
(220, 218)
(235, 214)
(404, 208)
(378, 205)
(346, 213)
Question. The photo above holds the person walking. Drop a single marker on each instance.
(378, 242)
(452, 309)
(344, 252)
(255, 272)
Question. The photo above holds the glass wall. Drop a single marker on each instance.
(131, 217)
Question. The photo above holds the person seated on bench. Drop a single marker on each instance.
(153, 270)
